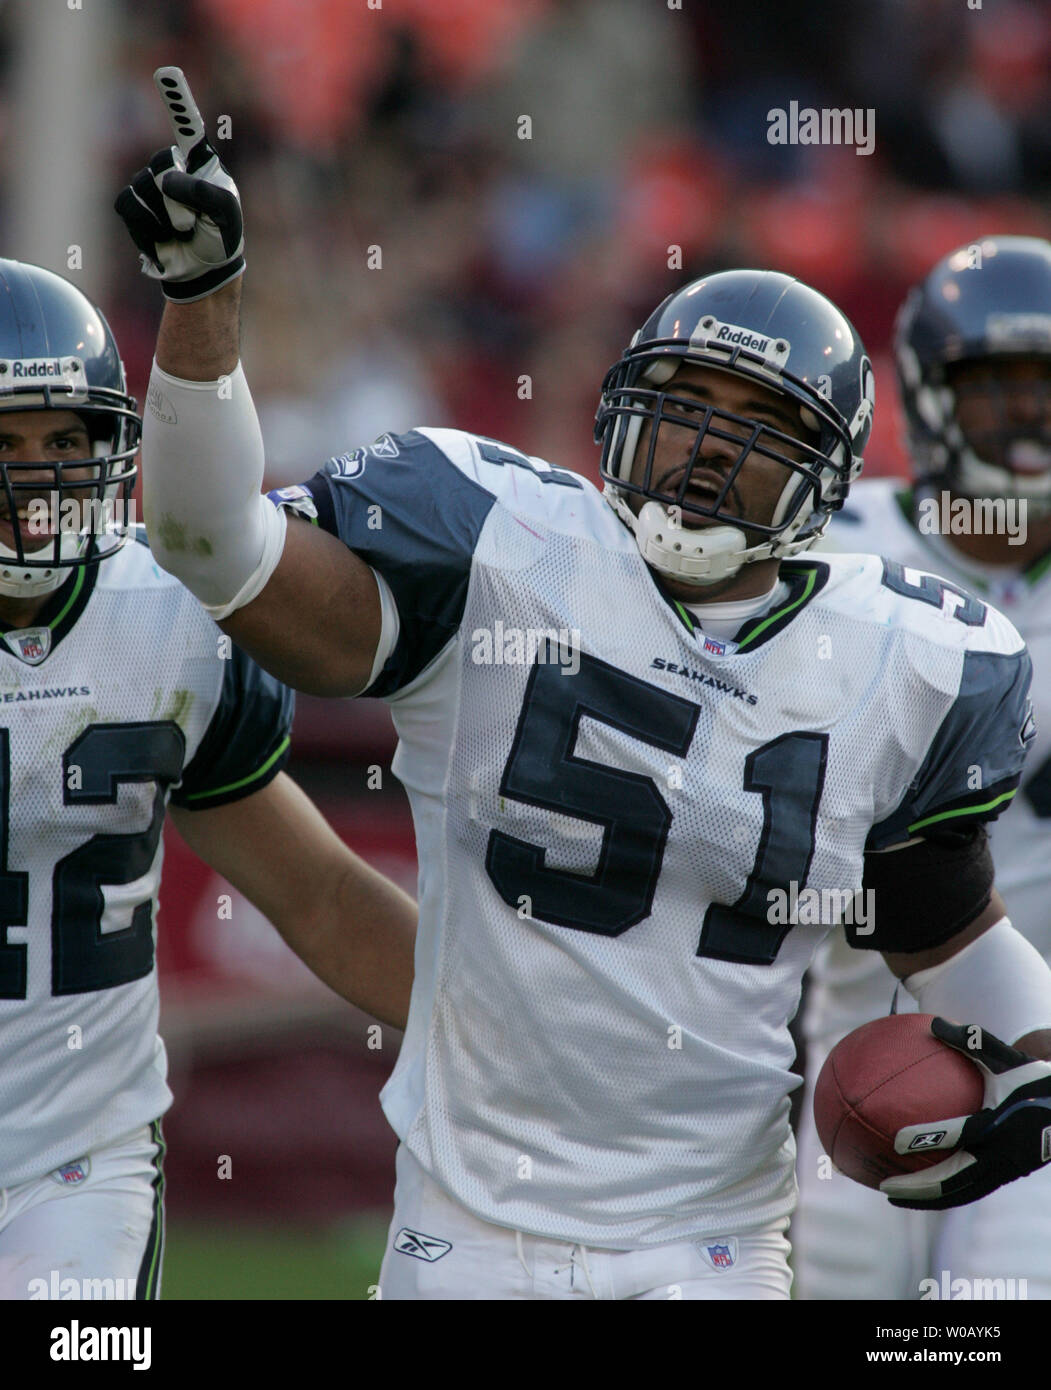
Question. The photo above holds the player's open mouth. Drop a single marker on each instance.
(1029, 457)
(704, 489)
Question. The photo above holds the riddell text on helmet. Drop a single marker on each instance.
(742, 338)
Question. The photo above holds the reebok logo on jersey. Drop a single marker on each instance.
(419, 1246)
(724, 687)
(384, 447)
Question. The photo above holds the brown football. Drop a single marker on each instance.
(885, 1075)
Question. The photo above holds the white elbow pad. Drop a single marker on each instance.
(208, 522)
(1000, 981)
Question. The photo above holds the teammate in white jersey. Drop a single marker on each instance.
(119, 694)
(631, 729)
(973, 348)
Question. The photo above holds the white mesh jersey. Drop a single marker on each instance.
(597, 1047)
(850, 987)
(117, 698)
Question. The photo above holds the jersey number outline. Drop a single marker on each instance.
(930, 589)
(84, 959)
(494, 452)
(541, 770)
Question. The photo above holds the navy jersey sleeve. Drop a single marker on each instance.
(974, 763)
(247, 742)
(414, 516)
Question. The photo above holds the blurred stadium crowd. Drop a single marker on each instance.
(503, 257)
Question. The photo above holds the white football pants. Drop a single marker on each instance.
(438, 1249)
(92, 1229)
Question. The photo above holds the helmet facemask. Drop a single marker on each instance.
(80, 505)
(816, 474)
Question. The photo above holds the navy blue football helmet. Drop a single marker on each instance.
(57, 353)
(989, 302)
(767, 328)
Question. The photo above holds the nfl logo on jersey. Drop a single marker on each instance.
(714, 647)
(31, 644)
(72, 1173)
(722, 1256)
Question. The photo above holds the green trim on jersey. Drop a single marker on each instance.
(804, 579)
(62, 609)
(962, 811)
(261, 771)
(69, 602)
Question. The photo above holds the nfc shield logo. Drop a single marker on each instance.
(930, 1140)
(419, 1246)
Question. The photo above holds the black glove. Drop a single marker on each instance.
(1010, 1137)
(183, 210)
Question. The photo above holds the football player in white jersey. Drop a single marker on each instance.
(631, 728)
(973, 351)
(119, 696)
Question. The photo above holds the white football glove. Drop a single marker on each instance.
(183, 210)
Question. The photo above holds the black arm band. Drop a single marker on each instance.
(927, 892)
